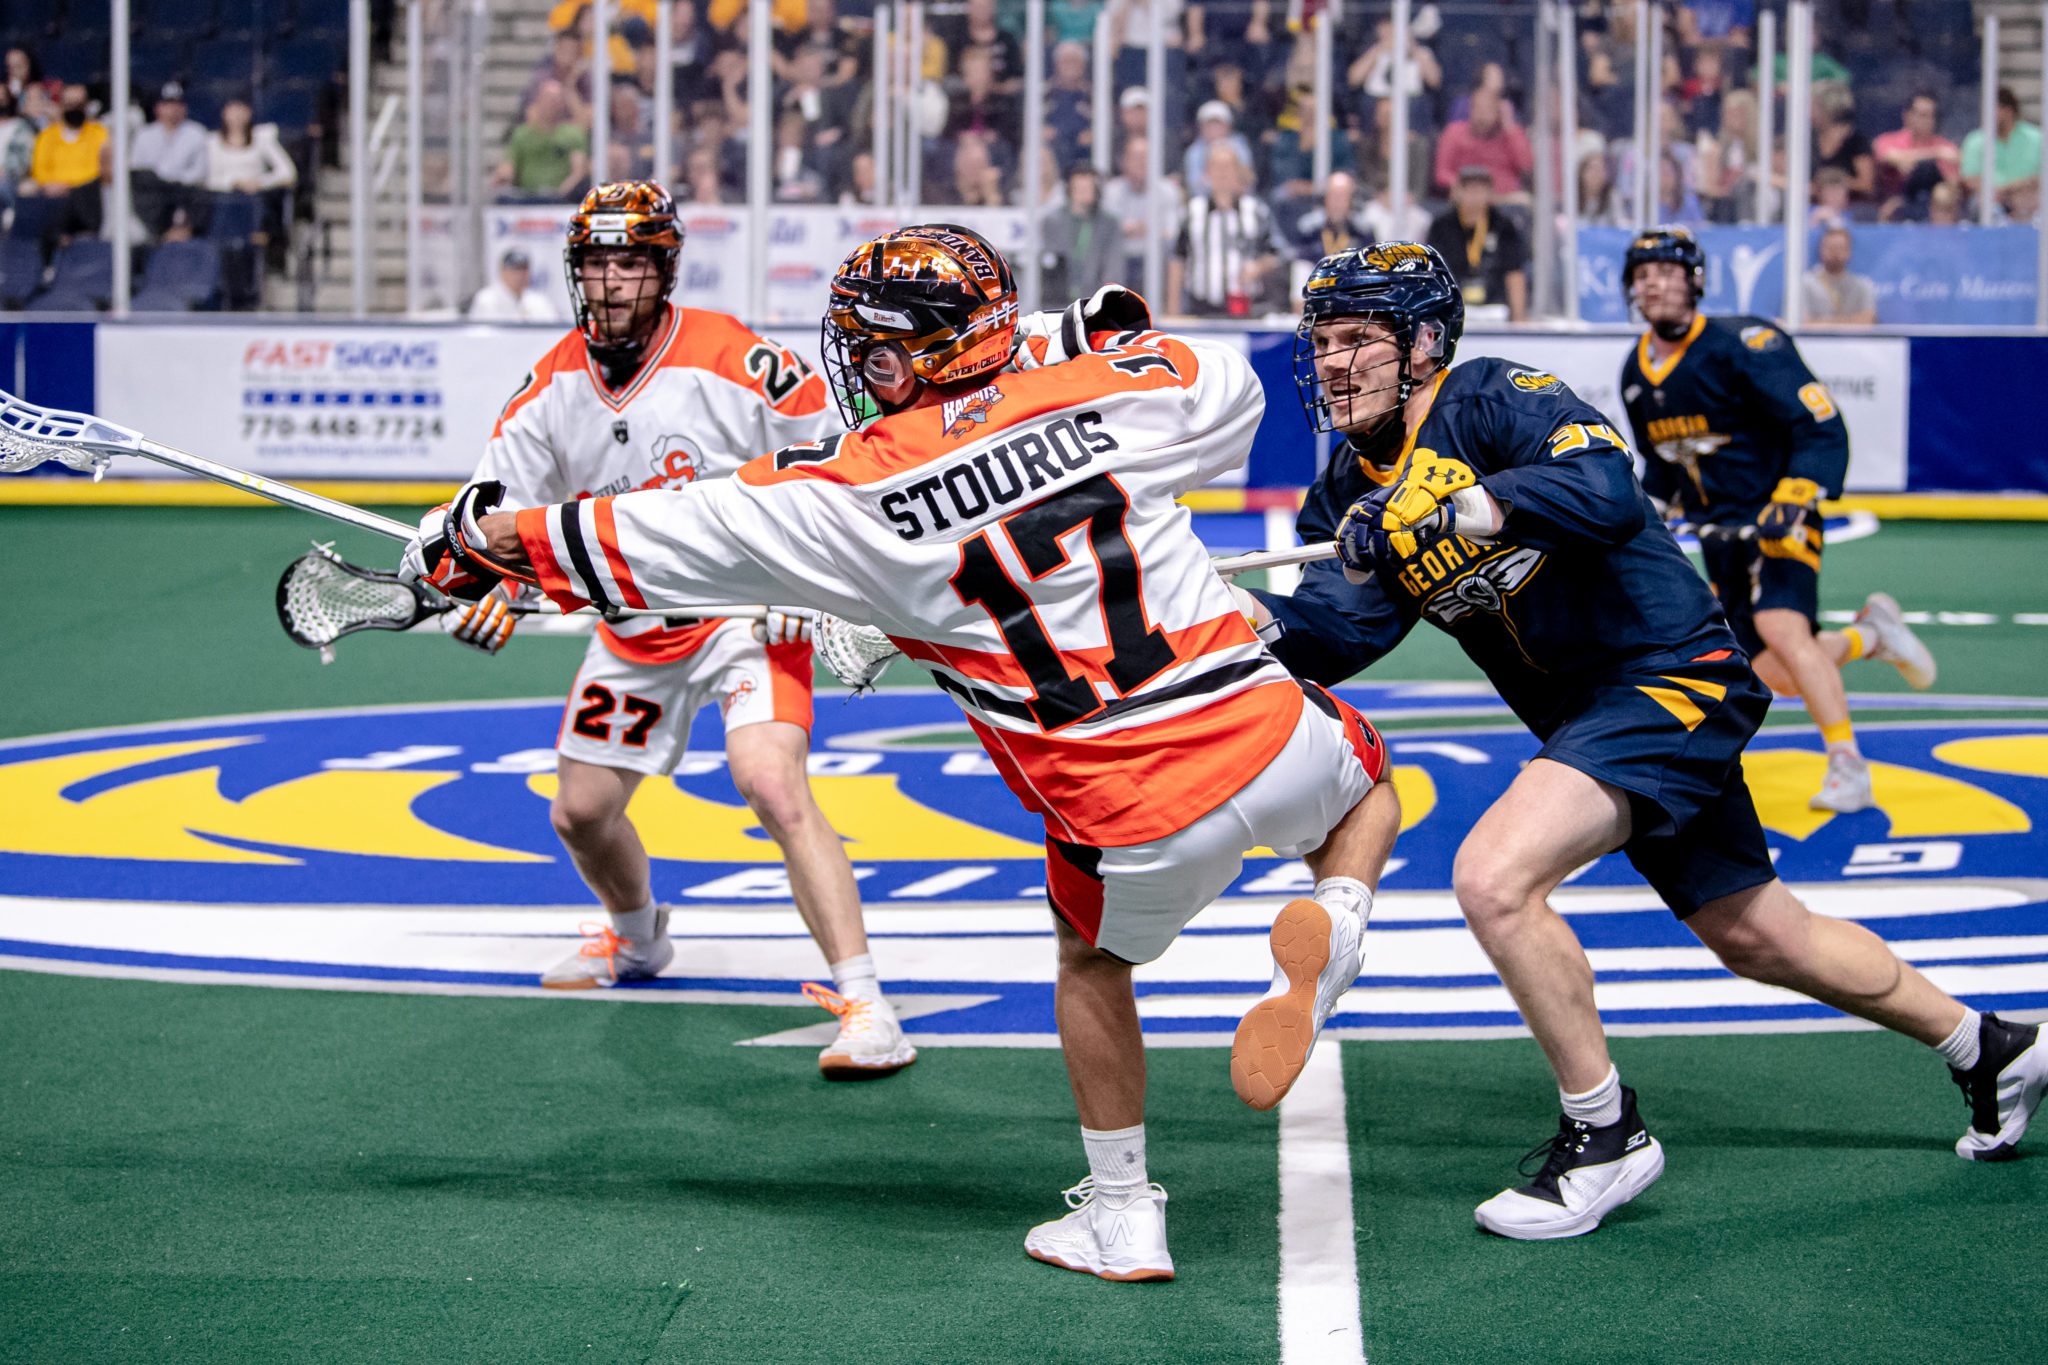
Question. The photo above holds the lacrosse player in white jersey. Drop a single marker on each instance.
(647, 395)
(1009, 517)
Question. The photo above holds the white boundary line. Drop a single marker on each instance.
(1319, 1318)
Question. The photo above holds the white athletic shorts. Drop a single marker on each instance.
(1133, 901)
(637, 716)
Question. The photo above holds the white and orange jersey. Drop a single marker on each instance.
(1024, 544)
(710, 397)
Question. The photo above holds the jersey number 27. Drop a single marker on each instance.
(1138, 651)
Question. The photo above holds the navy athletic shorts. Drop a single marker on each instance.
(1673, 740)
(1748, 580)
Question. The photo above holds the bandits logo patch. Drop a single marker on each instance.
(409, 848)
(960, 415)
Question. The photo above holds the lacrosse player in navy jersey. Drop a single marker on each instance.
(1743, 442)
(1493, 501)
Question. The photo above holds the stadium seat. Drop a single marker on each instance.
(59, 299)
(85, 264)
(221, 60)
(156, 62)
(291, 107)
(160, 300)
(258, 20)
(328, 17)
(304, 59)
(191, 18)
(76, 59)
(21, 272)
(189, 269)
(31, 214)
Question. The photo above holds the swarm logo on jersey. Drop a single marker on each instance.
(1760, 338)
(409, 848)
(1533, 381)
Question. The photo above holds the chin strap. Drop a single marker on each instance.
(1672, 331)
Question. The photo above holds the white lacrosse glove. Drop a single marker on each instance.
(1048, 337)
(485, 625)
(783, 626)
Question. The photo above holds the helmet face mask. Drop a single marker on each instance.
(921, 305)
(1669, 245)
(1364, 314)
(625, 244)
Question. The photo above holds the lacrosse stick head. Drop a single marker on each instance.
(322, 597)
(856, 655)
(32, 435)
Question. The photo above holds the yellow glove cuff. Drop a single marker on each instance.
(1800, 491)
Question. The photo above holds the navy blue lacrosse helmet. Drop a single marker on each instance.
(1404, 285)
(1673, 244)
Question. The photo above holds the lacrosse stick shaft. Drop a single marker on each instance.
(1232, 565)
(277, 492)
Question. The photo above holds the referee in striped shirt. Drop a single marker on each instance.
(1227, 261)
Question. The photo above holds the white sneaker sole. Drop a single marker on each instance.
(844, 1066)
(1276, 1035)
(1635, 1178)
(1140, 1275)
(569, 980)
(1915, 662)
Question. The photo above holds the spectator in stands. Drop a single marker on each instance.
(980, 108)
(1338, 223)
(860, 186)
(1485, 138)
(1072, 21)
(1484, 248)
(66, 165)
(849, 46)
(1133, 110)
(17, 146)
(702, 182)
(1606, 99)
(1492, 77)
(167, 160)
(1597, 204)
(1226, 262)
(977, 180)
(546, 157)
(824, 110)
(511, 297)
(245, 157)
(1703, 94)
(23, 71)
(1130, 30)
(1215, 125)
(1830, 208)
(1913, 158)
(1081, 244)
(1945, 205)
(564, 65)
(1126, 200)
(1069, 105)
(1291, 141)
(1240, 35)
(977, 28)
(1834, 296)
(2015, 161)
(1375, 161)
(1371, 75)
(798, 179)
(1837, 141)
(1412, 225)
(632, 131)
(691, 49)
(1676, 201)
(1722, 162)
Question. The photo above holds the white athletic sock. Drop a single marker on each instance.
(1116, 1158)
(1960, 1049)
(854, 977)
(1599, 1106)
(1347, 892)
(636, 926)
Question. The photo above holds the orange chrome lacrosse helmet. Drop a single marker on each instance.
(937, 298)
(626, 215)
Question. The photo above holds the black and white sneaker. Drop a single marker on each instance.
(2002, 1090)
(1587, 1173)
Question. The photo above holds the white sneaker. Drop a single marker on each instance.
(1587, 1173)
(870, 1044)
(1316, 951)
(1896, 645)
(605, 959)
(1119, 1236)
(1846, 788)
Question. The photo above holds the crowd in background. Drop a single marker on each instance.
(1242, 206)
(218, 192)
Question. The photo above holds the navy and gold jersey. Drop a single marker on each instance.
(1582, 582)
(1727, 415)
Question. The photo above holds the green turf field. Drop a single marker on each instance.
(232, 1173)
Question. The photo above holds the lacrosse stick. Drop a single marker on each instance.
(322, 597)
(1230, 566)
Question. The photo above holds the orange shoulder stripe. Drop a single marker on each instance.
(902, 442)
(722, 345)
(566, 355)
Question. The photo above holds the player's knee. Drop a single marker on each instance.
(1488, 891)
(778, 793)
(579, 817)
